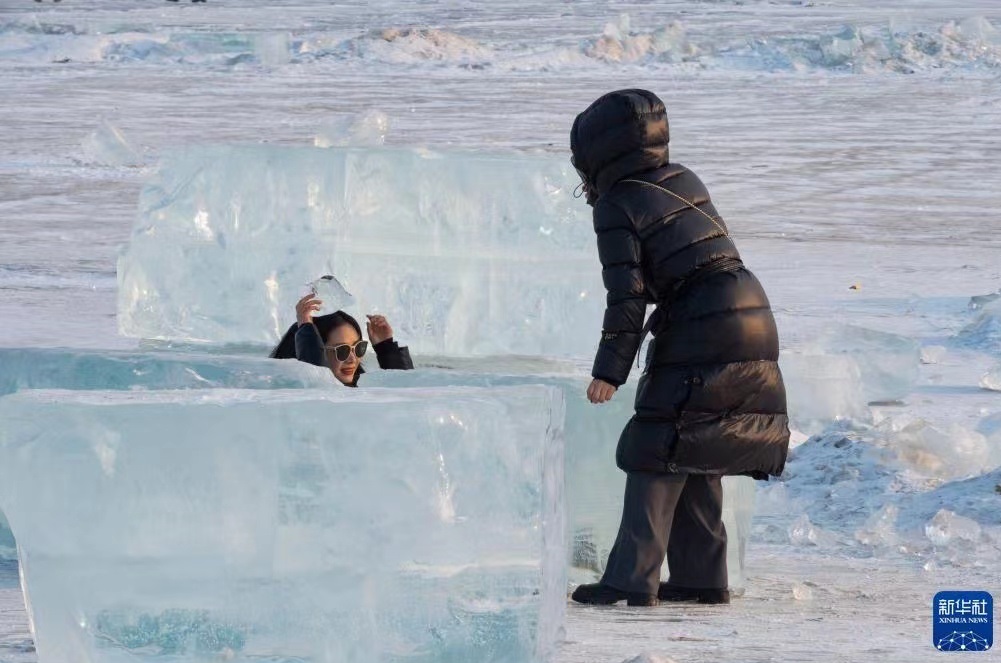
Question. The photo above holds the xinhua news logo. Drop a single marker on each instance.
(963, 621)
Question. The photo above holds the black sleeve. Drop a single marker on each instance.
(622, 329)
(309, 345)
(392, 356)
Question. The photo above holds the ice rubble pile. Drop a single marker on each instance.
(905, 485)
(972, 43)
(466, 254)
(246, 523)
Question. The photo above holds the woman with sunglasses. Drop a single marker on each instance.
(335, 341)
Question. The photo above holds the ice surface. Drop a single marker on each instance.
(594, 485)
(421, 525)
(227, 237)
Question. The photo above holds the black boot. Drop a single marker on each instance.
(598, 594)
(673, 593)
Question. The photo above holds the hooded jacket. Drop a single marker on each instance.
(711, 399)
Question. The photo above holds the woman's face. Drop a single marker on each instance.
(343, 370)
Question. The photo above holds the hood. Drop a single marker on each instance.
(620, 135)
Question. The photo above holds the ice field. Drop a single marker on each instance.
(172, 175)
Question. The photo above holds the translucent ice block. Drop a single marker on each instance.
(404, 525)
(6, 539)
(822, 388)
(57, 368)
(466, 254)
(594, 485)
(888, 364)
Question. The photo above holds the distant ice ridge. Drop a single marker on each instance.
(466, 254)
(973, 43)
(378, 525)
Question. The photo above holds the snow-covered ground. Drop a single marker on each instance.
(852, 148)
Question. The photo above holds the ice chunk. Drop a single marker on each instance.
(821, 389)
(984, 333)
(375, 525)
(333, 295)
(802, 592)
(272, 49)
(880, 529)
(947, 528)
(933, 354)
(226, 238)
(889, 363)
(952, 453)
(368, 128)
(108, 146)
(594, 485)
(992, 379)
(804, 533)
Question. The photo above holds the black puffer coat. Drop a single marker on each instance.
(711, 399)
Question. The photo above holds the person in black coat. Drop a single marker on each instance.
(335, 341)
(711, 400)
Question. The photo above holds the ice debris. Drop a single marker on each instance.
(108, 146)
(947, 528)
(991, 380)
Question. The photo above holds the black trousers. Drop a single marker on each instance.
(677, 514)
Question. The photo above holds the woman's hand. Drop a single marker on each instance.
(378, 329)
(305, 308)
(600, 392)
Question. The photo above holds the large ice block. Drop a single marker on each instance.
(65, 368)
(594, 485)
(467, 254)
(345, 525)
(6, 539)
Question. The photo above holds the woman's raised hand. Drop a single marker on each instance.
(378, 329)
(306, 308)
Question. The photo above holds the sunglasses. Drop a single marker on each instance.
(343, 351)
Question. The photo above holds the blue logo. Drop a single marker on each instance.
(963, 621)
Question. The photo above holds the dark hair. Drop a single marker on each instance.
(324, 324)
